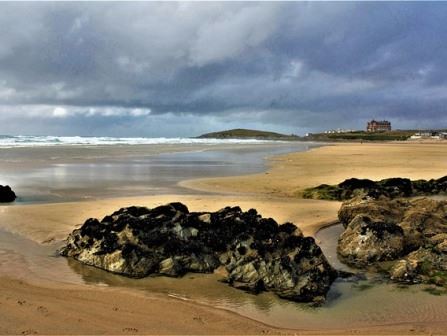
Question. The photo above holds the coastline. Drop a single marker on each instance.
(274, 193)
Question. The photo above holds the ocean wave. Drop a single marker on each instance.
(7, 141)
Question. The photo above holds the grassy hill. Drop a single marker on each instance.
(241, 133)
(357, 136)
(362, 135)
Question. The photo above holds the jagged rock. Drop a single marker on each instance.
(6, 194)
(421, 266)
(390, 188)
(423, 219)
(413, 233)
(419, 219)
(257, 253)
(366, 241)
(379, 210)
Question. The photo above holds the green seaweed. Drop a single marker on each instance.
(438, 278)
(323, 192)
(425, 267)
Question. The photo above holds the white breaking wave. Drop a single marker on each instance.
(37, 141)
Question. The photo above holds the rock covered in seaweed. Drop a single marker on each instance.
(6, 194)
(390, 188)
(424, 265)
(256, 253)
(366, 240)
(410, 232)
(380, 210)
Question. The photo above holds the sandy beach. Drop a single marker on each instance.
(290, 174)
(223, 168)
(31, 302)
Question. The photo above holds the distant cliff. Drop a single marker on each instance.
(240, 133)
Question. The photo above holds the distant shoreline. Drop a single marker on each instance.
(231, 137)
(336, 137)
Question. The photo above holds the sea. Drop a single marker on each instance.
(7, 141)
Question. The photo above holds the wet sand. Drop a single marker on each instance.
(64, 173)
(33, 300)
(29, 309)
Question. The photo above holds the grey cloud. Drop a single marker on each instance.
(294, 67)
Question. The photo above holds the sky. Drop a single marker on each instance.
(176, 69)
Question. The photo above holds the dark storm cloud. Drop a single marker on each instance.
(184, 68)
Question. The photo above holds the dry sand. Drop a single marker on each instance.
(29, 306)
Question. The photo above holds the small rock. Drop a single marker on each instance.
(6, 194)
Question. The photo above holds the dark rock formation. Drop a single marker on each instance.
(391, 188)
(421, 266)
(256, 253)
(6, 194)
(412, 233)
(367, 240)
(380, 210)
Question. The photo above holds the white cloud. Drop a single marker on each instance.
(139, 112)
(50, 111)
(60, 112)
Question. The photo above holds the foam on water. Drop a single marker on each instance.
(35, 141)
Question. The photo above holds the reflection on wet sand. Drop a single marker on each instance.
(349, 305)
(203, 288)
(57, 177)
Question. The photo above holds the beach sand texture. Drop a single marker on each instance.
(32, 304)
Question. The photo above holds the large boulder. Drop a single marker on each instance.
(410, 232)
(6, 194)
(383, 209)
(419, 218)
(255, 253)
(366, 241)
